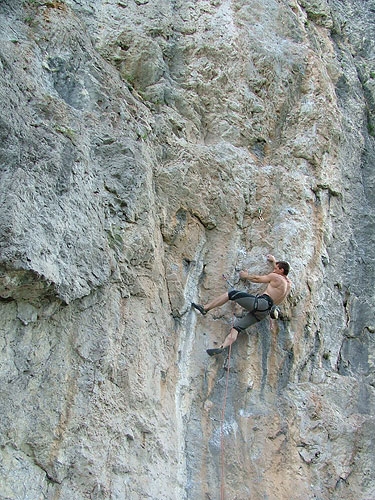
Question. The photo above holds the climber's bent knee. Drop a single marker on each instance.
(237, 294)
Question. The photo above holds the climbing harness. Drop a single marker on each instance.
(267, 298)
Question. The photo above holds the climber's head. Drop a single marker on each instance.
(283, 266)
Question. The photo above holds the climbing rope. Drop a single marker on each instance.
(222, 457)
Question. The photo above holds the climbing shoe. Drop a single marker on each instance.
(199, 308)
(213, 352)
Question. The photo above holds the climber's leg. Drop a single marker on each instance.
(219, 301)
(230, 338)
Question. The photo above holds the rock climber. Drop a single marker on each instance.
(258, 306)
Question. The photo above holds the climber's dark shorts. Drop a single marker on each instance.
(259, 307)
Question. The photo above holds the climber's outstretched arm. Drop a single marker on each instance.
(255, 278)
(271, 258)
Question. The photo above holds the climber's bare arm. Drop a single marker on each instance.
(255, 278)
(271, 258)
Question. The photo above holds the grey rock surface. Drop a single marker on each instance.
(147, 148)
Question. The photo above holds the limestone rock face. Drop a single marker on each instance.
(147, 149)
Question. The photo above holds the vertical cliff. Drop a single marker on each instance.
(146, 149)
